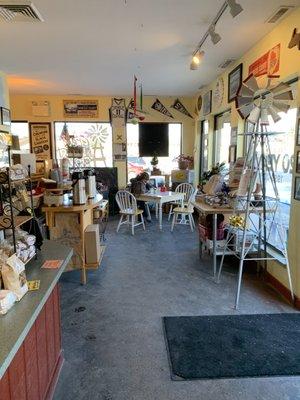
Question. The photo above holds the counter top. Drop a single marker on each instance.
(15, 325)
(69, 207)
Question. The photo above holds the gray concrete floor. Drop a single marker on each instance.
(115, 349)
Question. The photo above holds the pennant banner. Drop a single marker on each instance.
(180, 107)
(158, 106)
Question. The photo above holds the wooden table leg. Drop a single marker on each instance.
(83, 270)
(160, 215)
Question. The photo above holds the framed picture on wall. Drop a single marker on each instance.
(5, 116)
(232, 154)
(40, 140)
(207, 103)
(235, 78)
(297, 188)
(298, 132)
(298, 162)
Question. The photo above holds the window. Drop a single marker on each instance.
(204, 146)
(21, 129)
(94, 137)
(136, 164)
(222, 138)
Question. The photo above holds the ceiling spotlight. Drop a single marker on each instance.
(197, 57)
(215, 37)
(194, 65)
(235, 8)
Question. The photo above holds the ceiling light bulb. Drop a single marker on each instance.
(194, 65)
(235, 8)
(215, 37)
(197, 57)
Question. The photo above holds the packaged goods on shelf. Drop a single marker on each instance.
(16, 172)
(14, 276)
(7, 300)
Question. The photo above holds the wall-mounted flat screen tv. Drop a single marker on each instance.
(153, 139)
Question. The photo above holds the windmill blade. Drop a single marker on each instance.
(245, 91)
(284, 107)
(280, 87)
(242, 101)
(245, 110)
(251, 83)
(254, 115)
(264, 120)
(274, 114)
(284, 96)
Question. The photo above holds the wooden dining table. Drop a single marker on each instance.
(161, 198)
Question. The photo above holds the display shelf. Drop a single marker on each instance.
(6, 222)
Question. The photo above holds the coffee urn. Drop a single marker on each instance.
(90, 183)
(79, 195)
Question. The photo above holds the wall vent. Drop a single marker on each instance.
(279, 14)
(16, 11)
(226, 63)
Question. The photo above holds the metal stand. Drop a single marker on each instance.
(249, 241)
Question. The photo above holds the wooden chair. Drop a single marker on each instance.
(188, 191)
(185, 213)
(128, 209)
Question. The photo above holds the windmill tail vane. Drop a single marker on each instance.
(258, 102)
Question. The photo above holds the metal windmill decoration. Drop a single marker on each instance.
(249, 241)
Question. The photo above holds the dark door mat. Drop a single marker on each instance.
(233, 346)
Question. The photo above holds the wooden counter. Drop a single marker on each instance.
(30, 346)
(67, 224)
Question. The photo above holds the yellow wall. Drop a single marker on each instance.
(289, 67)
(21, 110)
(4, 96)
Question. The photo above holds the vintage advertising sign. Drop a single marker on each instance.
(267, 64)
(81, 108)
(40, 140)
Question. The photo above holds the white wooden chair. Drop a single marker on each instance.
(128, 209)
(188, 191)
(184, 215)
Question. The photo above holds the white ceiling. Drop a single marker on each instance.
(95, 46)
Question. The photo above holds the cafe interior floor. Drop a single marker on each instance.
(113, 339)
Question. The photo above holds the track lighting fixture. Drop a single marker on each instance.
(215, 37)
(235, 8)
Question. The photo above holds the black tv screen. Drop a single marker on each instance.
(154, 139)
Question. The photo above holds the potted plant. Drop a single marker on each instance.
(184, 162)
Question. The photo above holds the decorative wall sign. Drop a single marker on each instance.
(267, 64)
(40, 140)
(158, 106)
(117, 114)
(234, 81)
(181, 108)
(81, 108)
(5, 116)
(199, 103)
(218, 93)
(295, 40)
(40, 108)
(207, 103)
(120, 151)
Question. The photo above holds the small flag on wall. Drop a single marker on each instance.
(158, 106)
(180, 107)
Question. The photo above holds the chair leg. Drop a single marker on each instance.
(170, 212)
(173, 222)
(120, 222)
(132, 224)
(143, 223)
(191, 223)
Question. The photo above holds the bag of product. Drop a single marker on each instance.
(14, 276)
(7, 300)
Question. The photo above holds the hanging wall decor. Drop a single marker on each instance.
(40, 140)
(199, 103)
(295, 40)
(235, 78)
(267, 64)
(218, 93)
(117, 116)
(181, 108)
(207, 103)
(80, 108)
(158, 106)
